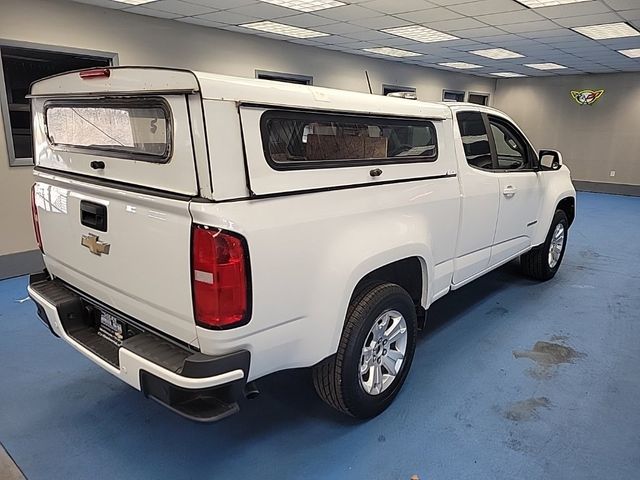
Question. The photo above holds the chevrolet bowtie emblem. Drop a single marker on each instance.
(95, 246)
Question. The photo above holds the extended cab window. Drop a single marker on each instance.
(511, 148)
(311, 140)
(475, 140)
(136, 129)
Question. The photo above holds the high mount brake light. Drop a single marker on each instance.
(95, 73)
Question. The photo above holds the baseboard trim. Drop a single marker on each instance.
(605, 187)
(21, 263)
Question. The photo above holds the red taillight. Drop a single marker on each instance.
(220, 278)
(95, 73)
(34, 215)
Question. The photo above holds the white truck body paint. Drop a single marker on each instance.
(312, 234)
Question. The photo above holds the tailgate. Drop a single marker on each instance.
(115, 172)
(140, 264)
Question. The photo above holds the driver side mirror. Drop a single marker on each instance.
(550, 160)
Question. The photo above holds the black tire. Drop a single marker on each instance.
(535, 263)
(337, 378)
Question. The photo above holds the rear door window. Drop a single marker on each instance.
(299, 140)
(137, 129)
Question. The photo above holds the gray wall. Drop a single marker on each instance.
(594, 140)
(150, 41)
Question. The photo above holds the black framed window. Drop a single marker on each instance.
(475, 140)
(478, 98)
(452, 96)
(512, 150)
(22, 66)
(138, 129)
(299, 140)
(285, 77)
(387, 89)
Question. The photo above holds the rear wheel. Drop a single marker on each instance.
(543, 262)
(374, 354)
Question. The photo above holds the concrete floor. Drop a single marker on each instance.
(487, 398)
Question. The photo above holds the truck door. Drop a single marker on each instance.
(480, 197)
(519, 189)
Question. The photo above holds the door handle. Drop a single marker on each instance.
(509, 191)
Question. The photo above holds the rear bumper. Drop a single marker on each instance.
(197, 386)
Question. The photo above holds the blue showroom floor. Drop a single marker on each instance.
(484, 400)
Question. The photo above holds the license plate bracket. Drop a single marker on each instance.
(111, 328)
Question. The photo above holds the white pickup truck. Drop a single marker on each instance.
(201, 231)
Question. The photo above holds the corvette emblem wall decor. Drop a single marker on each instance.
(586, 97)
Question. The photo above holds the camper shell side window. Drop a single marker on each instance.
(296, 140)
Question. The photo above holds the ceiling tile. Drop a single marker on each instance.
(630, 14)
(378, 23)
(480, 32)
(305, 20)
(395, 6)
(105, 4)
(180, 8)
(487, 7)
(200, 21)
(229, 18)
(262, 10)
(588, 20)
(447, 26)
(573, 9)
(339, 28)
(223, 4)
(530, 26)
(622, 4)
(507, 18)
(431, 15)
(151, 12)
(369, 35)
(348, 12)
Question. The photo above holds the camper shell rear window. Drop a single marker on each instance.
(305, 140)
(137, 129)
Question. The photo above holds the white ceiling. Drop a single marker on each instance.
(542, 35)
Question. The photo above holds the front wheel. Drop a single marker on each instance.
(542, 262)
(374, 354)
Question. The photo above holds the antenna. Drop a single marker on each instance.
(368, 82)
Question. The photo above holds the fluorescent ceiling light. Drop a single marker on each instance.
(134, 2)
(497, 53)
(420, 34)
(544, 66)
(306, 5)
(608, 30)
(507, 74)
(286, 30)
(392, 52)
(631, 53)
(547, 3)
(460, 65)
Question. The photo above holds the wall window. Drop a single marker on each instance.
(19, 67)
(452, 96)
(387, 89)
(295, 140)
(475, 140)
(478, 98)
(285, 77)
